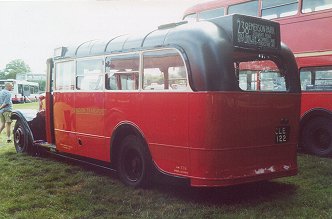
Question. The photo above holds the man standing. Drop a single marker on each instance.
(6, 109)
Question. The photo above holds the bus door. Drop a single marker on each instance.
(89, 109)
(63, 107)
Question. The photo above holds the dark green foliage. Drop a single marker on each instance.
(14, 67)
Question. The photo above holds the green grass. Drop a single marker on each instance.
(33, 105)
(35, 187)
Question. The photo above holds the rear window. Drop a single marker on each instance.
(260, 75)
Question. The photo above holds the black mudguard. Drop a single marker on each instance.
(33, 119)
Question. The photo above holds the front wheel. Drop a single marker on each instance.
(22, 140)
(134, 162)
(316, 136)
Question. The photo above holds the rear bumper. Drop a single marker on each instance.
(233, 166)
(258, 175)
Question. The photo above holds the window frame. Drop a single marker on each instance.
(138, 71)
(188, 87)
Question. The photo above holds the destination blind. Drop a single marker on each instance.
(255, 33)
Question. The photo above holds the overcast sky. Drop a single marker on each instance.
(30, 30)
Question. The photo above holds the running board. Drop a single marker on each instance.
(47, 145)
(82, 161)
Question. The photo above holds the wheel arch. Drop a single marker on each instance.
(309, 115)
(25, 134)
(17, 115)
(121, 131)
(314, 113)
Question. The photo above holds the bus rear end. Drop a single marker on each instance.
(244, 126)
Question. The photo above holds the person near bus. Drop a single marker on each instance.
(6, 109)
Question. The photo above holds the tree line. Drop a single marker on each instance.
(18, 66)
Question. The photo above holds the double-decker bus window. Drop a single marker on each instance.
(164, 70)
(316, 79)
(317, 5)
(64, 75)
(20, 88)
(26, 90)
(247, 8)
(210, 14)
(178, 78)
(279, 8)
(31, 89)
(190, 17)
(89, 75)
(122, 72)
(260, 76)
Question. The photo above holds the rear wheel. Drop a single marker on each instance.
(134, 162)
(317, 136)
(22, 140)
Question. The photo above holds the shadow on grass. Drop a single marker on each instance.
(250, 193)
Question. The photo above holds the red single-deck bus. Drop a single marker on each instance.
(183, 100)
(305, 29)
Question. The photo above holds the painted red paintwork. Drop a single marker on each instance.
(213, 138)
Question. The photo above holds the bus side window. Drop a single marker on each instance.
(317, 5)
(122, 72)
(89, 74)
(247, 8)
(279, 8)
(64, 76)
(316, 78)
(164, 70)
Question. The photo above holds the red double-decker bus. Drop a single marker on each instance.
(305, 29)
(182, 100)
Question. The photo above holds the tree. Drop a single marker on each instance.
(2, 74)
(14, 67)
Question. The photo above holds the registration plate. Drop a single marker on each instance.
(281, 134)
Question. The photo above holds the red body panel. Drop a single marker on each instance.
(314, 100)
(307, 32)
(213, 138)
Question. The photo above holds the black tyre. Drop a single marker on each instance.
(134, 162)
(316, 136)
(22, 140)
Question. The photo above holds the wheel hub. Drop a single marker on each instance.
(322, 138)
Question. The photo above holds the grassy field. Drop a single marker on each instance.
(33, 105)
(35, 187)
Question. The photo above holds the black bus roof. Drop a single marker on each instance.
(174, 33)
(207, 46)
